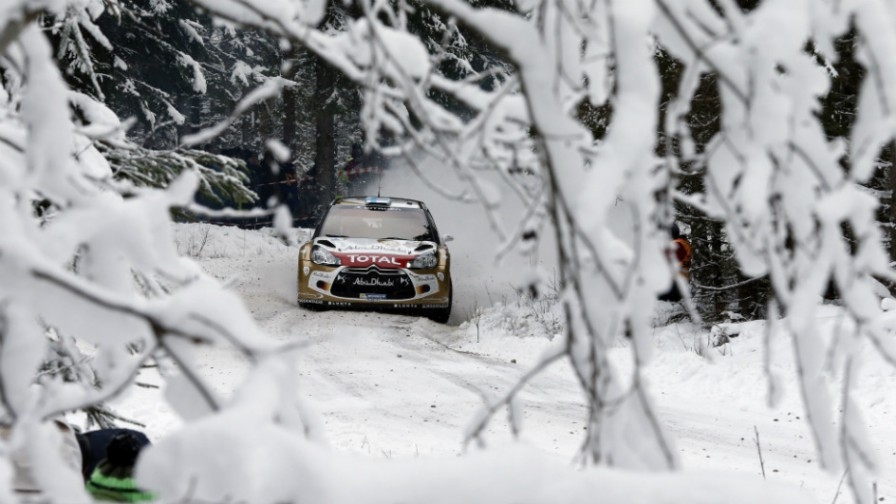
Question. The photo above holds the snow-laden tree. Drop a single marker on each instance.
(91, 278)
(165, 65)
(102, 269)
(153, 64)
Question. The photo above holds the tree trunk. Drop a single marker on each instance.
(265, 125)
(325, 133)
(290, 99)
(195, 114)
(891, 234)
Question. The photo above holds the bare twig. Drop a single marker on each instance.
(759, 451)
(4, 395)
(493, 406)
(839, 487)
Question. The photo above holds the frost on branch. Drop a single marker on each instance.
(93, 287)
(779, 184)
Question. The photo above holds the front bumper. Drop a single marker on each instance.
(373, 287)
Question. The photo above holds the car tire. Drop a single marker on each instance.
(442, 314)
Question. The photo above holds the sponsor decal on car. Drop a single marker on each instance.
(381, 260)
(374, 282)
(375, 259)
(348, 246)
(425, 306)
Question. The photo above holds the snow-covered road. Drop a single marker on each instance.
(397, 385)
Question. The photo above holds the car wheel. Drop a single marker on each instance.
(441, 315)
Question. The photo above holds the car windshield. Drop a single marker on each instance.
(377, 223)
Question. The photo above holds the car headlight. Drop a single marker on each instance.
(427, 260)
(320, 255)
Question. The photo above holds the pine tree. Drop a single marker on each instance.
(153, 63)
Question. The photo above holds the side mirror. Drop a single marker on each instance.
(447, 238)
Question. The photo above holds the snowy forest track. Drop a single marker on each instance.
(393, 385)
(397, 385)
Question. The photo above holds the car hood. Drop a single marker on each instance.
(363, 252)
(404, 247)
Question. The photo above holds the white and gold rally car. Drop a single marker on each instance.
(377, 253)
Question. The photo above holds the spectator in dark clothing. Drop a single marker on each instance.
(113, 478)
(95, 443)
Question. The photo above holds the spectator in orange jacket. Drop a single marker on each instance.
(681, 251)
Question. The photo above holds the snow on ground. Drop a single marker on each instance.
(398, 387)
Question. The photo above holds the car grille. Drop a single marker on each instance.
(372, 283)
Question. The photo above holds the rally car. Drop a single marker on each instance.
(377, 253)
